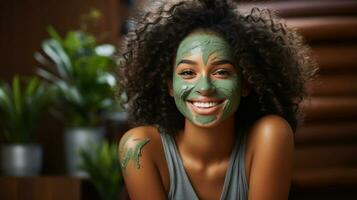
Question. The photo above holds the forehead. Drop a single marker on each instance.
(204, 43)
(202, 39)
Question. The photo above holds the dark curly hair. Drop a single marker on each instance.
(274, 59)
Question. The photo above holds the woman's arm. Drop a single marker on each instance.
(141, 175)
(271, 168)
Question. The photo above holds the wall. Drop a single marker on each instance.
(325, 164)
(23, 25)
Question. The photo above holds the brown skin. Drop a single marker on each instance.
(270, 154)
(205, 154)
(151, 180)
(268, 160)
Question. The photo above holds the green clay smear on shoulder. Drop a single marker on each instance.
(207, 44)
(133, 154)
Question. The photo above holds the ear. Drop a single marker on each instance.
(170, 88)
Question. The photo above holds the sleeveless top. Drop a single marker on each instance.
(235, 183)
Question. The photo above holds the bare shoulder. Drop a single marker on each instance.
(271, 130)
(137, 142)
(138, 158)
(141, 131)
(149, 132)
(270, 155)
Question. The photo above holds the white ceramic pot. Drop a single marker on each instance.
(21, 159)
(77, 139)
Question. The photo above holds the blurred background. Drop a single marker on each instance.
(51, 39)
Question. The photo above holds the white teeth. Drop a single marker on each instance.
(204, 104)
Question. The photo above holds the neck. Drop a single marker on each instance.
(208, 145)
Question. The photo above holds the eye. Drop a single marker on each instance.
(187, 74)
(222, 73)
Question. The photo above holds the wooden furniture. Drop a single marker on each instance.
(46, 188)
(325, 164)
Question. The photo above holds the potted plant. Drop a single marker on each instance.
(82, 73)
(104, 170)
(20, 109)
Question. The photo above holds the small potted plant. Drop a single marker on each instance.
(104, 170)
(20, 109)
(83, 74)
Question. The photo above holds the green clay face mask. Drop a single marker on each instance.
(223, 96)
(205, 44)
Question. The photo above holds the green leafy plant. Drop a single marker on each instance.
(104, 169)
(82, 73)
(20, 108)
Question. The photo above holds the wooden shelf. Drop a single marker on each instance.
(46, 188)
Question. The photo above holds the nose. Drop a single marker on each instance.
(204, 86)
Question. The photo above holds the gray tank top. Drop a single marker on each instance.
(235, 183)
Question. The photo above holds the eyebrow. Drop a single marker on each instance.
(221, 62)
(190, 62)
(218, 62)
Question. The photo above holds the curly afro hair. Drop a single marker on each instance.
(274, 59)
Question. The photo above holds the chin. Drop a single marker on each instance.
(214, 123)
(209, 125)
(211, 111)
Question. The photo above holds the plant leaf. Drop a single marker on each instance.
(55, 51)
(17, 95)
(47, 75)
(42, 59)
(31, 86)
(54, 34)
(20, 108)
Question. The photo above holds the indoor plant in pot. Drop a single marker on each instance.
(82, 73)
(104, 170)
(20, 109)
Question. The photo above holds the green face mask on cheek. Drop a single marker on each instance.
(227, 91)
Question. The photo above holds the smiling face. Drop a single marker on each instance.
(206, 82)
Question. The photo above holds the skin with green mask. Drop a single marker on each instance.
(133, 153)
(203, 70)
(205, 44)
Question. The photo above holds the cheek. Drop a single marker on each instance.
(181, 88)
(228, 88)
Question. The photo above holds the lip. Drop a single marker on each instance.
(205, 111)
(206, 100)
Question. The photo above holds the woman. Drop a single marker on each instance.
(214, 96)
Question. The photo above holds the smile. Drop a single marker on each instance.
(206, 107)
(205, 104)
